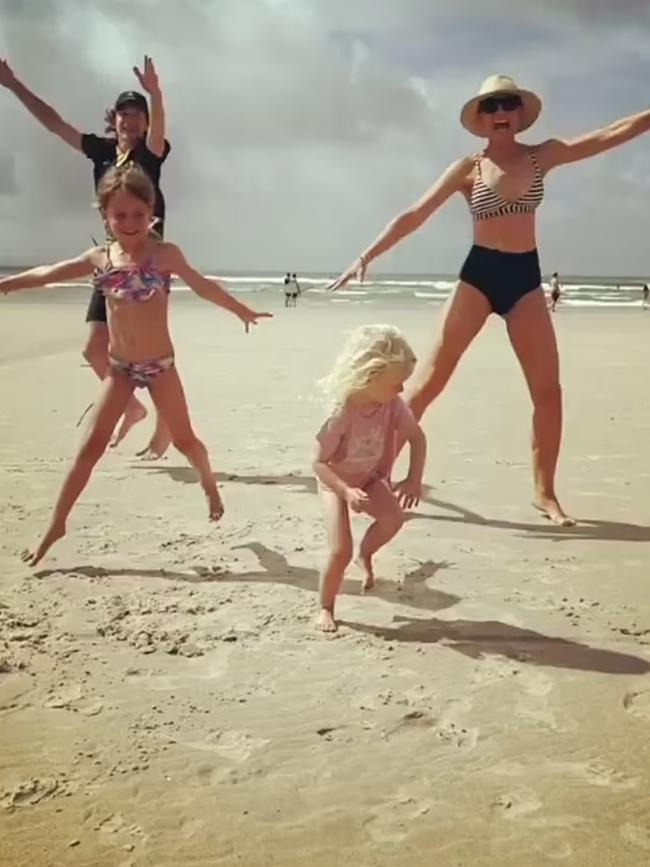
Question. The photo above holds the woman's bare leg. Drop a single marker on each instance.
(463, 317)
(383, 506)
(117, 392)
(168, 396)
(533, 339)
(95, 352)
(339, 537)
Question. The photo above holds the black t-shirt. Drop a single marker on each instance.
(103, 153)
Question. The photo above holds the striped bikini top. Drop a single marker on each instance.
(485, 203)
(130, 282)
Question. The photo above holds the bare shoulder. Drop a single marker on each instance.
(462, 168)
(95, 256)
(166, 255)
(546, 153)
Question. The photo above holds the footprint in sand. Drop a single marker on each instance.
(236, 746)
(533, 702)
(638, 704)
(445, 727)
(493, 670)
(636, 835)
(556, 850)
(516, 804)
(392, 820)
(29, 793)
(595, 774)
(72, 699)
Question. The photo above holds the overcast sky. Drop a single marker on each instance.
(300, 127)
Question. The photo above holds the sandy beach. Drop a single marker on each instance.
(164, 698)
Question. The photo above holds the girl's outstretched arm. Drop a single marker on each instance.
(211, 290)
(558, 152)
(70, 269)
(43, 112)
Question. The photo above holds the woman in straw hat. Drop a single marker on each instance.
(503, 186)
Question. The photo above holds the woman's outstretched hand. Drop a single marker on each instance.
(357, 269)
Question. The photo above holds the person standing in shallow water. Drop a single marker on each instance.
(645, 295)
(136, 130)
(556, 291)
(503, 185)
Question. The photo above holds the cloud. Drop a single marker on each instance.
(299, 128)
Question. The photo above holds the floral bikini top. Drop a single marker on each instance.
(130, 282)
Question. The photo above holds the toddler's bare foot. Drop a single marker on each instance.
(325, 621)
(54, 533)
(364, 562)
(551, 509)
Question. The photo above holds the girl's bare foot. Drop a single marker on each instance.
(54, 533)
(131, 417)
(364, 562)
(215, 506)
(325, 621)
(551, 509)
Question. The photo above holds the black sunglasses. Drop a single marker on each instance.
(507, 102)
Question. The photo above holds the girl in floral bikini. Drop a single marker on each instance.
(133, 273)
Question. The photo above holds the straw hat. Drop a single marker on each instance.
(494, 86)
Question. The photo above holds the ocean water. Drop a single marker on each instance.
(400, 289)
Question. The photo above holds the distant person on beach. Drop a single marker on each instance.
(291, 290)
(296, 290)
(355, 450)
(503, 184)
(136, 133)
(288, 289)
(556, 291)
(645, 295)
(133, 272)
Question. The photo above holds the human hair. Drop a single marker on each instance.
(368, 351)
(130, 178)
(109, 122)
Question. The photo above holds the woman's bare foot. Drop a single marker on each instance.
(364, 562)
(134, 413)
(54, 533)
(215, 506)
(158, 444)
(325, 621)
(551, 509)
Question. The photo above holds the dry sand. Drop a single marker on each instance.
(164, 699)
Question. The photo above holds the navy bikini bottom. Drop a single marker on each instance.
(503, 278)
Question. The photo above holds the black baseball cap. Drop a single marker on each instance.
(133, 98)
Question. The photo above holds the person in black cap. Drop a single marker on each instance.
(135, 130)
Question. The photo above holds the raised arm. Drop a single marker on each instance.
(558, 152)
(450, 182)
(211, 290)
(43, 112)
(70, 269)
(148, 79)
